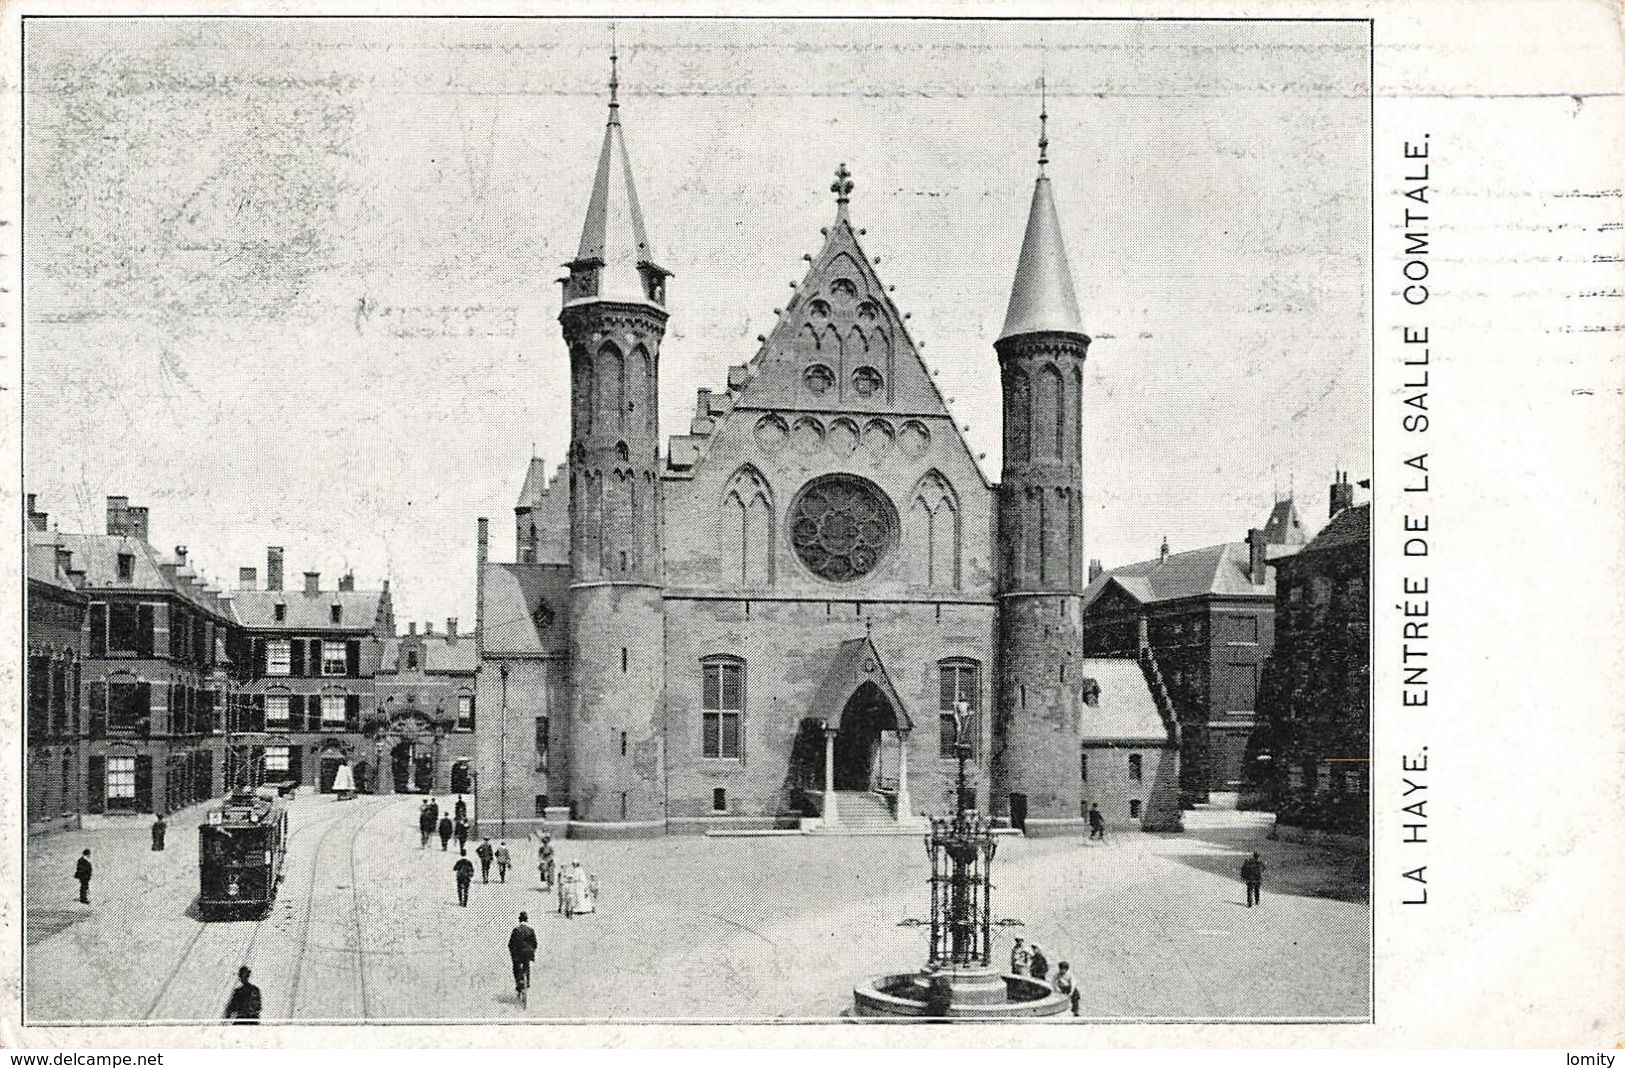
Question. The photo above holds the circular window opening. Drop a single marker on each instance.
(867, 381)
(818, 378)
(842, 527)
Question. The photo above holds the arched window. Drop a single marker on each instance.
(1136, 768)
(933, 533)
(722, 708)
(746, 529)
(1047, 410)
(1019, 408)
(960, 690)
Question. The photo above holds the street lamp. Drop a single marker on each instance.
(502, 755)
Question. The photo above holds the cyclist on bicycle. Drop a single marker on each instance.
(522, 948)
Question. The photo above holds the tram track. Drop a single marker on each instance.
(358, 951)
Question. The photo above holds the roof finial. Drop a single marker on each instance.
(1043, 122)
(842, 188)
(614, 76)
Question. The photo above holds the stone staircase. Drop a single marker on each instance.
(864, 812)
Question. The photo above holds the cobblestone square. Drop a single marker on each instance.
(367, 926)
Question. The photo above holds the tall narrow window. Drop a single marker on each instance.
(723, 709)
(276, 711)
(121, 781)
(126, 573)
(960, 694)
(1135, 768)
(334, 658)
(332, 711)
(541, 743)
(278, 657)
(1083, 767)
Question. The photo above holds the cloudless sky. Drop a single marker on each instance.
(293, 281)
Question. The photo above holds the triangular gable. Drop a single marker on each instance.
(855, 663)
(838, 326)
(1108, 595)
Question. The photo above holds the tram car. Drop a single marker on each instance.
(241, 848)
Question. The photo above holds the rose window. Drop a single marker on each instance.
(866, 380)
(841, 527)
(819, 378)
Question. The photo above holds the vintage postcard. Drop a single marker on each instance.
(558, 523)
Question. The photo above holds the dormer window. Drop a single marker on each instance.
(336, 613)
(411, 661)
(280, 612)
(126, 567)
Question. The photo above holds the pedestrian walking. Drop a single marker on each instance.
(486, 855)
(1252, 874)
(522, 950)
(434, 813)
(159, 830)
(445, 832)
(427, 819)
(504, 861)
(578, 891)
(243, 1007)
(1097, 823)
(460, 828)
(544, 862)
(461, 812)
(82, 871)
(1039, 966)
(1021, 958)
(464, 870)
(1067, 985)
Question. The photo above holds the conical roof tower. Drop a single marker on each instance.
(1042, 299)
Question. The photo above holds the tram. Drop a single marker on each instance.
(241, 847)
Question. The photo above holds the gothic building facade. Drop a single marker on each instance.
(788, 614)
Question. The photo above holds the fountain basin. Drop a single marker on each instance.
(957, 994)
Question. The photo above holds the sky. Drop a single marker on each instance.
(292, 282)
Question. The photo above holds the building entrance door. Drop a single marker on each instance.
(400, 767)
(462, 782)
(866, 715)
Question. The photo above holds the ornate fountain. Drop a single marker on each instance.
(959, 980)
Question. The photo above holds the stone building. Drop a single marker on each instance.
(56, 732)
(1316, 700)
(1206, 617)
(156, 677)
(423, 720)
(784, 613)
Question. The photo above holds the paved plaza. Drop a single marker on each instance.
(367, 926)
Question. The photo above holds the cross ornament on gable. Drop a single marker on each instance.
(842, 186)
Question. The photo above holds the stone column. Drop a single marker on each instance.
(905, 804)
(831, 816)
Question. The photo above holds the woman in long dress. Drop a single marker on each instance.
(579, 893)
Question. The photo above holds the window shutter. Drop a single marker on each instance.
(258, 712)
(352, 658)
(296, 712)
(143, 631)
(352, 712)
(295, 764)
(471, 711)
(296, 658)
(143, 708)
(143, 783)
(96, 784)
(98, 629)
(98, 708)
(259, 658)
(313, 663)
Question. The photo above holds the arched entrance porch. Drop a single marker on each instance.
(867, 717)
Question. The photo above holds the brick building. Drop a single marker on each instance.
(781, 615)
(156, 677)
(1206, 616)
(56, 732)
(423, 722)
(1316, 699)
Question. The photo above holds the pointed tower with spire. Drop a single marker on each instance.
(1041, 352)
(614, 318)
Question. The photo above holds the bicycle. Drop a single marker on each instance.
(521, 982)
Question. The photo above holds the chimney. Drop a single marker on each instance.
(180, 556)
(1095, 570)
(273, 567)
(64, 561)
(313, 582)
(347, 582)
(1342, 494)
(1163, 556)
(482, 543)
(412, 629)
(135, 523)
(451, 629)
(116, 508)
(1257, 568)
(428, 628)
(247, 578)
(36, 518)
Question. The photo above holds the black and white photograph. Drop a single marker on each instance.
(704, 520)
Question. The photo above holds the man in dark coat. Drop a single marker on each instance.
(1252, 873)
(159, 829)
(82, 871)
(461, 830)
(461, 811)
(434, 811)
(1097, 823)
(427, 819)
(522, 950)
(1039, 968)
(485, 853)
(244, 1006)
(464, 870)
(445, 832)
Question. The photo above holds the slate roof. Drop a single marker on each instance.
(1042, 297)
(856, 661)
(308, 611)
(441, 655)
(1283, 526)
(613, 233)
(1351, 526)
(1127, 712)
(1217, 570)
(42, 561)
(508, 615)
